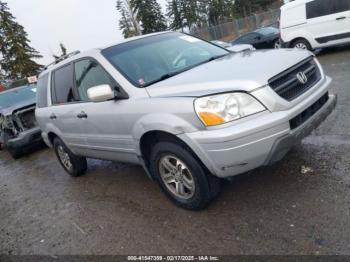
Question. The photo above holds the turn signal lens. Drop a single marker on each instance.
(211, 119)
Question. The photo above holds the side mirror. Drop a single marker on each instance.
(100, 93)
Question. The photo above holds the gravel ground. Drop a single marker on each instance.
(300, 205)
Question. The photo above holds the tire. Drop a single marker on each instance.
(277, 44)
(74, 165)
(16, 153)
(301, 44)
(204, 186)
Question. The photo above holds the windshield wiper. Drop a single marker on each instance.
(171, 74)
(163, 77)
(209, 60)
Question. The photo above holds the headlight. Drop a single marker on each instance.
(219, 109)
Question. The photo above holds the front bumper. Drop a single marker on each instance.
(26, 138)
(262, 140)
(283, 144)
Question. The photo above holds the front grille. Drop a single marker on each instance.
(287, 84)
(309, 112)
(27, 119)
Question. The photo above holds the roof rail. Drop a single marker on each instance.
(61, 58)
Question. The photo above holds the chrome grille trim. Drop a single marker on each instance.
(287, 85)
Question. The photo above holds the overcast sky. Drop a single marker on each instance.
(79, 24)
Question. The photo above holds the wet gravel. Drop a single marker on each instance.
(300, 205)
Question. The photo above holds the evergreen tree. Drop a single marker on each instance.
(186, 13)
(219, 10)
(248, 7)
(149, 13)
(127, 23)
(192, 13)
(15, 52)
(175, 13)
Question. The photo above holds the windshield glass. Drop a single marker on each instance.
(268, 31)
(16, 96)
(153, 59)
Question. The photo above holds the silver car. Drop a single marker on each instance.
(188, 111)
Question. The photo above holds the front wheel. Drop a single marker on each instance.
(14, 152)
(72, 164)
(301, 44)
(182, 177)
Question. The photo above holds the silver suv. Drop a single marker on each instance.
(188, 111)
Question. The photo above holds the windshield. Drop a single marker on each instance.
(268, 31)
(16, 96)
(153, 59)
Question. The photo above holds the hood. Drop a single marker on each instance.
(23, 104)
(244, 71)
(241, 48)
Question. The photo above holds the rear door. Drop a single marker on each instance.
(329, 21)
(65, 108)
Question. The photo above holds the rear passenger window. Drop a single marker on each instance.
(63, 85)
(41, 91)
(341, 6)
(89, 73)
(318, 8)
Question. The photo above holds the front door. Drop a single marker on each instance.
(104, 128)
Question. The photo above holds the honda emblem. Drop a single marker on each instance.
(302, 78)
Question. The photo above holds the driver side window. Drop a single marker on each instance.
(89, 73)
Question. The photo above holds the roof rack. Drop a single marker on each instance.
(61, 58)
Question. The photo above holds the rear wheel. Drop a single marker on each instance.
(182, 177)
(74, 165)
(301, 44)
(277, 44)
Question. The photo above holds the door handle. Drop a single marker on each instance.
(53, 116)
(82, 114)
(341, 18)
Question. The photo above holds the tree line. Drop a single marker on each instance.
(17, 56)
(145, 16)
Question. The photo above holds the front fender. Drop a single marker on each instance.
(166, 122)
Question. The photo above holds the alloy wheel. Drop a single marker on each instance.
(277, 44)
(176, 177)
(64, 157)
(301, 46)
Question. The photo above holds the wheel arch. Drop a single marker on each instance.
(150, 138)
(301, 39)
(50, 137)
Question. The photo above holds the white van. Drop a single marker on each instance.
(311, 24)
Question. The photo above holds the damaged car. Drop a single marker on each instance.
(18, 127)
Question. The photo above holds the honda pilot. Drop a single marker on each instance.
(188, 111)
